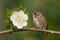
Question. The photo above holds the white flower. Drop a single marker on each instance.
(19, 19)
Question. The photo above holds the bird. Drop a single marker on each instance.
(40, 21)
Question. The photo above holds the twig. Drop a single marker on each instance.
(29, 29)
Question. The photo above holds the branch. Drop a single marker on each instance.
(29, 29)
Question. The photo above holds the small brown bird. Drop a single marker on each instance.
(40, 21)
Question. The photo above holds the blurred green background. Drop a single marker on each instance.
(50, 9)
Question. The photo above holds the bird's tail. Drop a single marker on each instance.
(45, 33)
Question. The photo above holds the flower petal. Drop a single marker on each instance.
(21, 12)
(19, 27)
(24, 23)
(15, 23)
(12, 18)
(25, 17)
(15, 12)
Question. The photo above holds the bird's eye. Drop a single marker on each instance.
(35, 13)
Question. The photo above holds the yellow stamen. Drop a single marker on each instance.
(18, 18)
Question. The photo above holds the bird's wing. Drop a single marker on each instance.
(43, 22)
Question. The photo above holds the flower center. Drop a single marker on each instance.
(19, 18)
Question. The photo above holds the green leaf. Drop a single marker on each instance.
(24, 9)
(8, 13)
(8, 27)
(15, 28)
(6, 20)
(21, 8)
